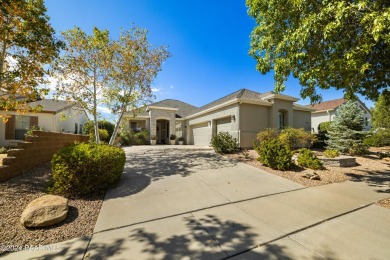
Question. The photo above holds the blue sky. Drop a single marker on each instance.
(208, 40)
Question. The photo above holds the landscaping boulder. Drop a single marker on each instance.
(45, 211)
(311, 175)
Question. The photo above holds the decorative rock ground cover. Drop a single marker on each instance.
(18, 192)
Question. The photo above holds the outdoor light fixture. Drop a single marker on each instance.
(209, 123)
(233, 118)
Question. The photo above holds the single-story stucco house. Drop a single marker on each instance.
(327, 111)
(243, 114)
(55, 116)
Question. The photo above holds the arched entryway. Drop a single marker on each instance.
(162, 131)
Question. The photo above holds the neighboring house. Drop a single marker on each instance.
(243, 114)
(56, 116)
(327, 111)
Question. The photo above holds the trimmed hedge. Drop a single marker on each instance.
(86, 169)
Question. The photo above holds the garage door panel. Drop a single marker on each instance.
(201, 134)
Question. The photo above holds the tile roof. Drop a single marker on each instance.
(328, 105)
(51, 105)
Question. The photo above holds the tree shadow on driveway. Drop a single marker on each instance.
(379, 179)
(149, 166)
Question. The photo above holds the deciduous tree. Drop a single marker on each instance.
(135, 66)
(331, 43)
(27, 43)
(381, 113)
(82, 69)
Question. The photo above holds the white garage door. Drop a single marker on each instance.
(201, 134)
(224, 125)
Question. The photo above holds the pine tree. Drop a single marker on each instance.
(346, 133)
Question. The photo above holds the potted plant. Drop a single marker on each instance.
(181, 139)
(153, 140)
(173, 139)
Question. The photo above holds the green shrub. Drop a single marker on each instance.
(324, 127)
(358, 149)
(3, 150)
(274, 154)
(86, 169)
(88, 129)
(135, 137)
(296, 138)
(267, 134)
(306, 158)
(103, 136)
(224, 142)
(330, 153)
(378, 139)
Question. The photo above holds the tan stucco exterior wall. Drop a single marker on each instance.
(253, 119)
(302, 119)
(287, 107)
(228, 111)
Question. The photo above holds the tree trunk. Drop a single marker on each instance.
(2, 61)
(97, 137)
(114, 134)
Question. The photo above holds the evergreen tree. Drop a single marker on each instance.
(346, 133)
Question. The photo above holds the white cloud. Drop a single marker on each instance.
(156, 89)
(103, 109)
(171, 87)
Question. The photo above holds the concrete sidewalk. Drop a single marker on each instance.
(194, 204)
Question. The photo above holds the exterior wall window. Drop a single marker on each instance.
(366, 121)
(22, 124)
(281, 120)
(136, 126)
(76, 128)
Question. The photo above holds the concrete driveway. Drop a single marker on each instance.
(184, 202)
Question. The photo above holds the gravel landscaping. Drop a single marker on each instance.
(17, 192)
(370, 168)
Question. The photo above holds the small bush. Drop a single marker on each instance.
(267, 134)
(3, 150)
(296, 138)
(86, 169)
(103, 136)
(330, 153)
(358, 149)
(324, 127)
(306, 158)
(378, 139)
(135, 137)
(172, 137)
(274, 154)
(224, 142)
(88, 129)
